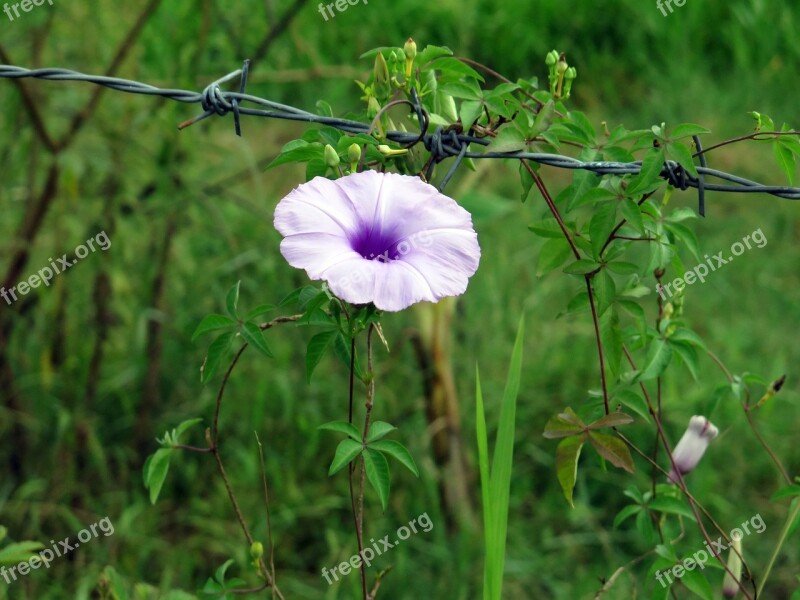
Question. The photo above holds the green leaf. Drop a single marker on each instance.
(567, 454)
(786, 491)
(342, 427)
(611, 340)
(622, 268)
(544, 119)
(216, 352)
(548, 228)
(155, 472)
(563, 425)
(591, 196)
(317, 347)
(696, 582)
(553, 254)
(633, 214)
(658, 357)
(613, 449)
(581, 267)
(649, 174)
(605, 291)
(688, 355)
(786, 160)
(341, 347)
(687, 130)
(398, 451)
(346, 451)
(212, 323)
(670, 505)
(298, 151)
(255, 337)
(453, 69)
(509, 139)
(232, 300)
(185, 426)
(377, 469)
(19, 552)
(259, 310)
(469, 112)
(378, 429)
(683, 155)
(431, 53)
(633, 401)
(625, 513)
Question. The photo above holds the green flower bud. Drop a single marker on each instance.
(353, 153)
(256, 550)
(561, 65)
(410, 48)
(551, 58)
(381, 72)
(331, 156)
(373, 107)
(388, 151)
(730, 584)
(669, 310)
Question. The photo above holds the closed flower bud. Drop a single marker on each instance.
(551, 58)
(410, 49)
(388, 151)
(730, 585)
(692, 446)
(331, 156)
(382, 81)
(256, 550)
(353, 153)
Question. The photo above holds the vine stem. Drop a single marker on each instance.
(367, 415)
(693, 503)
(784, 534)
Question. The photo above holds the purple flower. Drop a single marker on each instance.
(692, 446)
(379, 237)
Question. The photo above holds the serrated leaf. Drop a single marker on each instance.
(377, 469)
(216, 352)
(346, 451)
(156, 469)
(232, 300)
(212, 323)
(255, 337)
(398, 451)
(567, 455)
(342, 427)
(613, 449)
(317, 347)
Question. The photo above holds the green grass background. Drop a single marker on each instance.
(703, 64)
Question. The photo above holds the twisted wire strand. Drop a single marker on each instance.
(441, 143)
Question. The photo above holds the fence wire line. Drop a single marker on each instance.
(441, 143)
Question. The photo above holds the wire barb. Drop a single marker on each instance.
(442, 143)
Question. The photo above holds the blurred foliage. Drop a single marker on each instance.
(190, 213)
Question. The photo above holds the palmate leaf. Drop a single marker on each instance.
(346, 451)
(613, 450)
(396, 450)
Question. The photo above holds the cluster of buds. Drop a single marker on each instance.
(561, 74)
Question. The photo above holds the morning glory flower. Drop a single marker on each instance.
(384, 238)
(692, 445)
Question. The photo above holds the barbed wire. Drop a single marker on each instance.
(441, 143)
